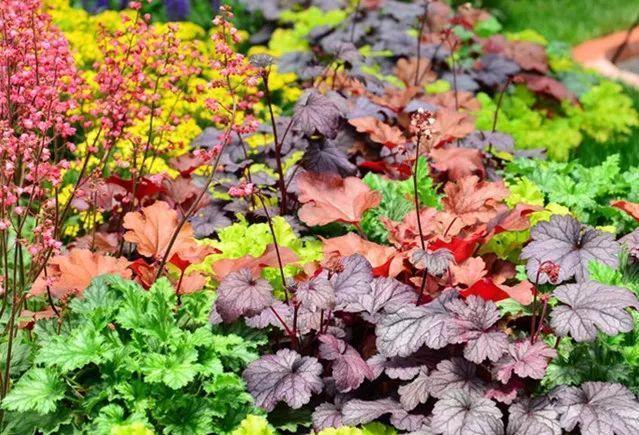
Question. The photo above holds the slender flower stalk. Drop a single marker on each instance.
(420, 125)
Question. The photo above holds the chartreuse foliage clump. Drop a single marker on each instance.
(258, 425)
(126, 360)
(604, 113)
(241, 239)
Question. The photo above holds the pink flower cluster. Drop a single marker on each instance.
(39, 88)
(237, 75)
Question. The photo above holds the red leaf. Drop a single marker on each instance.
(547, 86)
(629, 207)
(144, 272)
(145, 187)
(462, 249)
(485, 289)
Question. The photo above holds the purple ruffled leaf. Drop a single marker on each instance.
(240, 294)
(404, 368)
(526, 360)
(406, 330)
(354, 279)
(455, 374)
(356, 412)
(317, 293)
(413, 423)
(325, 416)
(484, 140)
(268, 318)
(533, 417)
(571, 245)
(349, 369)
(286, 376)
(415, 392)
(461, 413)
(386, 295)
(590, 307)
(437, 262)
(474, 325)
(598, 408)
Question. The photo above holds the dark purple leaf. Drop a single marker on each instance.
(526, 360)
(465, 82)
(240, 294)
(404, 331)
(571, 245)
(294, 61)
(207, 220)
(286, 376)
(460, 413)
(345, 51)
(316, 113)
(316, 293)
(349, 369)
(474, 325)
(533, 417)
(493, 70)
(353, 280)
(356, 411)
(308, 320)
(325, 416)
(364, 107)
(455, 374)
(592, 306)
(415, 392)
(436, 262)
(323, 156)
(484, 140)
(598, 408)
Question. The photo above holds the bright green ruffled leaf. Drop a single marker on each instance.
(69, 352)
(39, 390)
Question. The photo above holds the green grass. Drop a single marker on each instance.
(571, 21)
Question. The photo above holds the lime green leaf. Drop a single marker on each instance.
(38, 390)
(254, 425)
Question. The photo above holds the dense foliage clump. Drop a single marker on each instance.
(322, 217)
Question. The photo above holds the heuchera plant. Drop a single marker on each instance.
(410, 332)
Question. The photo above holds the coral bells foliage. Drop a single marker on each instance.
(414, 319)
